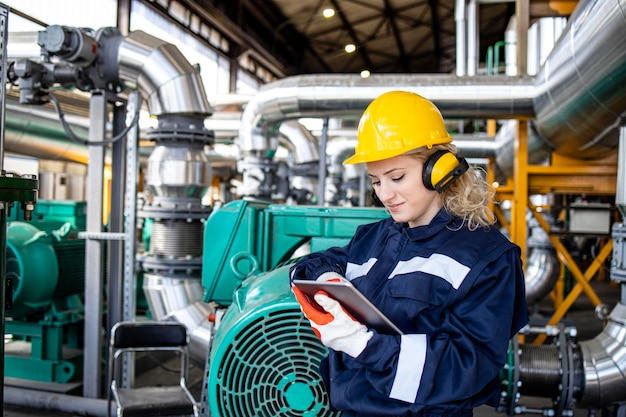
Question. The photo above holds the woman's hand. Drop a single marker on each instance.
(333, 325)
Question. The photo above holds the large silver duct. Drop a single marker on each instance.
(581, 100)
(542, 266)
(162, 74)
(604, 362)
(178, 175)
(36, 131)
(300, 142)
(496, 97)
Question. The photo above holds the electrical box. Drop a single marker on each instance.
(592, 218)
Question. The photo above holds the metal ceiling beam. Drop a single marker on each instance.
(214, 18)
(390, 14)
(348, 26)
(266, 13)
(436, 30)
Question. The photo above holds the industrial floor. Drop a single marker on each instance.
(581, 314)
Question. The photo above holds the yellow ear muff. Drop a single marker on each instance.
(442, 169)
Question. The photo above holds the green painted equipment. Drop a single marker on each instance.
(45, 264)
(267, 354)
(264, 356)
(245, 236)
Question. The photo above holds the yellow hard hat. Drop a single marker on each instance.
(395, 123)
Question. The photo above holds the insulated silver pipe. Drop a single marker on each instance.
(348, 95)
(178, 174)
(460, 17)
(472, 37)
(300, 142)
(36, 131)
(580, 101)
(604, 363)
(162, 74)
(180, 299)
(42, 400)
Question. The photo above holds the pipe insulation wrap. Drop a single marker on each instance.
(163, 76)
(604, 362)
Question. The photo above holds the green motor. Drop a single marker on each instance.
(265, 357)
(44, 261)
(31, 269)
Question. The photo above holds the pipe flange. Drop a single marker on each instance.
(510, 380)
(174, 208)
(176, 127)
(172, 267)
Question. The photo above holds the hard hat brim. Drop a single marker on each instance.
(380, 155)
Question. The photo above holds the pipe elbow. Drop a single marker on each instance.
(604, 363)
(162, 75)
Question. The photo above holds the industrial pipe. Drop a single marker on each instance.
(42, 400)
(604, 362)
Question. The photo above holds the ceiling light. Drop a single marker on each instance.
(349, 48)
(365, 73)
(328, 13)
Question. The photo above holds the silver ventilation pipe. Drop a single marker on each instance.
(299, 185)
(460, 17)
(580, 102)
(178, 175)
(300, 142)
(35, 131)
(604, 362)
(163, 76)
(347, 95)
(339, 95)
(542, 266)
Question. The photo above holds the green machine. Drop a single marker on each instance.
(45, 264)
(264, 356)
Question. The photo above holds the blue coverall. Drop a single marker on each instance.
(458, 297)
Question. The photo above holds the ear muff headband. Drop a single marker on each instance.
(442, 169)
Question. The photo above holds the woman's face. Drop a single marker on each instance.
(398, 185)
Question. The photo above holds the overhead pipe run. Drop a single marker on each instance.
(347, 95)
(581, 89)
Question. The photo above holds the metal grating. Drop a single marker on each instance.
(270, 369)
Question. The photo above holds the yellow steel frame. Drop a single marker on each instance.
(562, 176)
(583, 279)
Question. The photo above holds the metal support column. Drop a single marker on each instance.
(94, 253)
(520, 192)
(129, 288)
(116, 220)
(522, 13)
(321, 185)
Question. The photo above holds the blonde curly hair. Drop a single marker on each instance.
(470, 196)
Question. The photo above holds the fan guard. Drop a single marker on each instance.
(270, 369)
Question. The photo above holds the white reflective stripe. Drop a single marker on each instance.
(437, 264)
(411, 362)
(354, 271)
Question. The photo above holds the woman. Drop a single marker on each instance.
(438, 268)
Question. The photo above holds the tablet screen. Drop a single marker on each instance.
(353, 301)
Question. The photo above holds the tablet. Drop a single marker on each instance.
(353, 301)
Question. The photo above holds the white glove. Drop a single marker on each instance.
(342, 333)
(335, 327)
